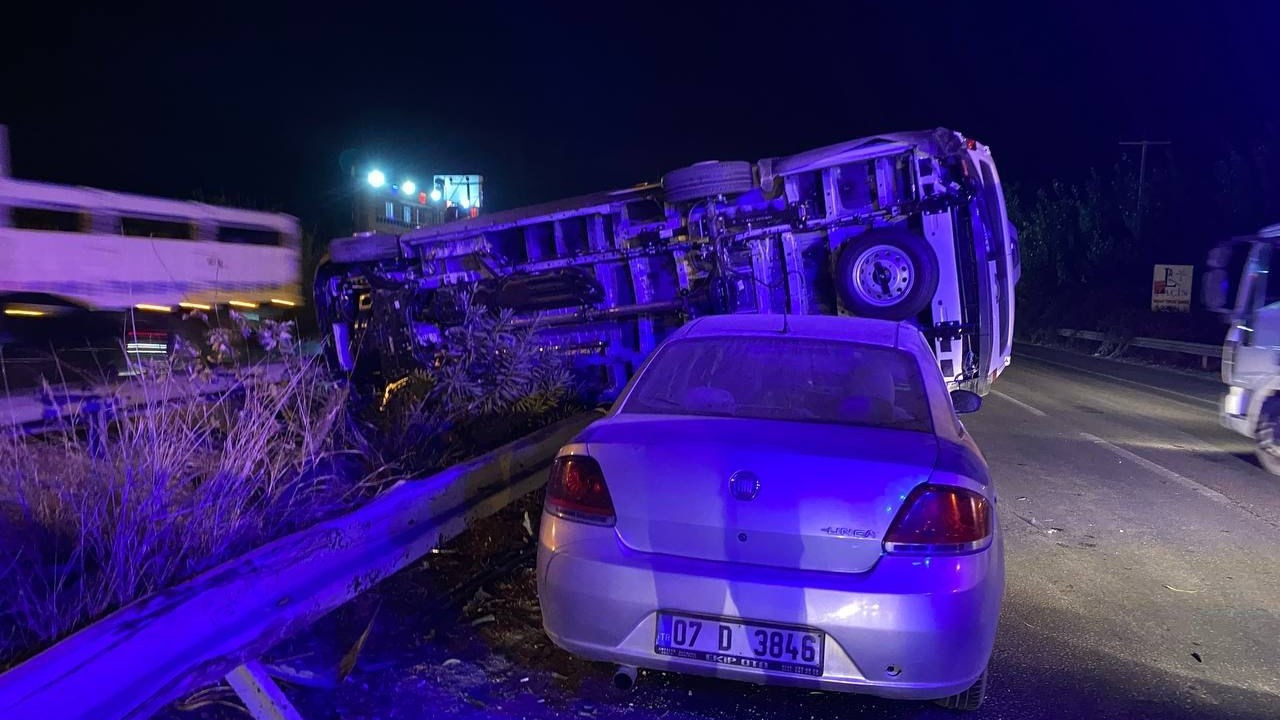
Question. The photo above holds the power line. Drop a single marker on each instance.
(1142, 175)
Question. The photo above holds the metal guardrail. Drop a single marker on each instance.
(1202, 350)
(217, 625)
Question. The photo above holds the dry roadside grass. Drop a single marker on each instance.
(168, 490)
(90, 522)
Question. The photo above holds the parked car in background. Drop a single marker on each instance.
(780, 499)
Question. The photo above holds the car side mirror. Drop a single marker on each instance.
(965, 401)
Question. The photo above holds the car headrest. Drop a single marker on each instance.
(709, 399)
(865, 410)
(871, 396)
(872, 382)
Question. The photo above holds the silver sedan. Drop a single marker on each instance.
(784, 500)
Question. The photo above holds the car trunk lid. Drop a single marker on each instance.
(822, 496)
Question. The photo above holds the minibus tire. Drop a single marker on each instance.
(1267, 435)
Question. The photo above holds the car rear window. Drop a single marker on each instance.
(784, 378)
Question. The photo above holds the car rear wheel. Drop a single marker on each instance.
(1267, 436)
(970, 699)
(888, 274)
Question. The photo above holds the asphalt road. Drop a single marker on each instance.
(1141, 542)
(1142, 582)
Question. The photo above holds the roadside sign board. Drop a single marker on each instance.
(1171, 288)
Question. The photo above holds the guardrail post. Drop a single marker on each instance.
(98, 412)
(262, 697)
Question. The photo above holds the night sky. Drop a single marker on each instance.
(262, 102)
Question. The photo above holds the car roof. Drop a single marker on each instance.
(829, 327)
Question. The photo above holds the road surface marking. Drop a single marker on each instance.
(1157, 388)
(1161, 470)
(1033, 410)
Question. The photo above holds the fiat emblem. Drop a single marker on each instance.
(744, 485)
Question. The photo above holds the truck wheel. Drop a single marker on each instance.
(708, 179)
(970, 699)
(889, 274)
(1267, 436)
(364, 248)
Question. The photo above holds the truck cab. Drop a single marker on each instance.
(1239, 285)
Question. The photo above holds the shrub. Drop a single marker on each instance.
(487, 382)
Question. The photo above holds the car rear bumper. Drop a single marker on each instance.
(911, 628)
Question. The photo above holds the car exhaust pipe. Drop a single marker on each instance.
(624, 677)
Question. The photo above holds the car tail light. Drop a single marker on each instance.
(576, 491)
(940, 518)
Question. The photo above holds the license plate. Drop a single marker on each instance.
(740, 643)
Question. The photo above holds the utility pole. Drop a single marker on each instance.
(4, 152)
(1142, 174)
(5, 171)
